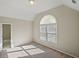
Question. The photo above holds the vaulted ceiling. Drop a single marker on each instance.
(21, 9)
(69, 3)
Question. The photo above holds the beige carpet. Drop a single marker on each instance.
(32, 50)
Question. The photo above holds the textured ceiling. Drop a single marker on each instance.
(21, 9)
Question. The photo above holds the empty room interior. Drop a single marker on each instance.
(39, 28)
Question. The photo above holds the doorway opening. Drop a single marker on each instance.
(6, 35)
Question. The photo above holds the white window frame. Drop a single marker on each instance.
(47, 39)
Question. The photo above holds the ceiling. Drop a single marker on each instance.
(21, 9)
(71, 5)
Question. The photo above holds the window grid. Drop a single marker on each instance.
(46, 31)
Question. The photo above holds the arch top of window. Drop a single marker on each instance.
(48, 19)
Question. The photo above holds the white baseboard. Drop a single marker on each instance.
(60, 51)
(66, 53)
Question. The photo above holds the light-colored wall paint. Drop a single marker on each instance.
(21, 30)
(67, 30)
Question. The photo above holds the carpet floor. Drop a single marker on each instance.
(31, 50)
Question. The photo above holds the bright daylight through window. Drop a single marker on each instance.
(48, 28)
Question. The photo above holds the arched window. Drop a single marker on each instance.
(48, 28)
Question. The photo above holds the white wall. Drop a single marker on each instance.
(21, 30)
(67, 30)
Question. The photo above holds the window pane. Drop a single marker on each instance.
(51, 37)
(51, 28)
(48, 28)
(43, 36)
(43, 28)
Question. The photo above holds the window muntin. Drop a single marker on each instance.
(48, 28)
